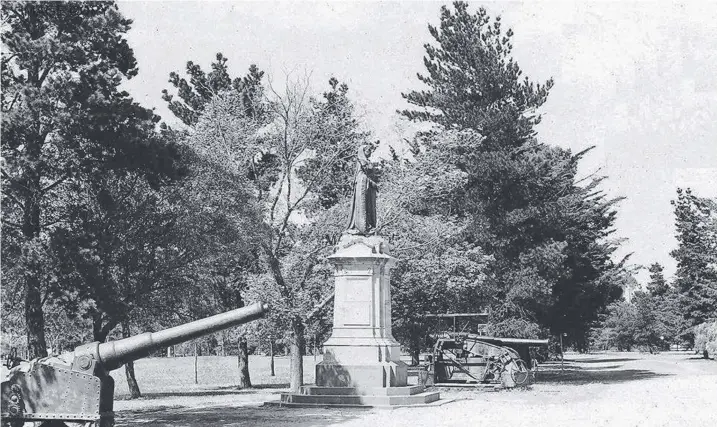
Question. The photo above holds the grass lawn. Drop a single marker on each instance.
(176, 374)
(606, 389)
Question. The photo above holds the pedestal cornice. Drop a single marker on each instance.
(362, 249)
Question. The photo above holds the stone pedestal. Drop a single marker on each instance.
(361, 364)
(362, 352)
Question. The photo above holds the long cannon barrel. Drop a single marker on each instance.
(114, 354)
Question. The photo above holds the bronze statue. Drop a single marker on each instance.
(363, 204)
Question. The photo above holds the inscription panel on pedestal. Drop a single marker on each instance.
(362, 270)
(357, 301)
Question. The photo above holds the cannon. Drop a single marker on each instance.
(464, 358)
(76, 389)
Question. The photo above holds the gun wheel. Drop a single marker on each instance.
(449, 372)
(521, 376)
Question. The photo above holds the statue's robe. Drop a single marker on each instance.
(363, 204)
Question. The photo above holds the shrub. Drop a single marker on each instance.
(706, 338)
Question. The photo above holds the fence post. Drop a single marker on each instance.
(196, 360)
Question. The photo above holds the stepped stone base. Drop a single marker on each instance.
(375, 375)
(361, 366)
(380, 397)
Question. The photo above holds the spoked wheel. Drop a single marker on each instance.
(521, 376)
(449, 370)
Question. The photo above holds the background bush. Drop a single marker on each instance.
(706, 338)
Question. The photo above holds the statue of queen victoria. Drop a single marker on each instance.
(363, 204)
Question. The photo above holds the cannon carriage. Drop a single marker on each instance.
(475, 359)
(464, 358)
(76, 389)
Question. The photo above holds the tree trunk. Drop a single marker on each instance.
(243, 362)
(34, 316)
(100, 332)
(129, 367)
(296, 351)
(271, 355)
(415, 356)
(32, 193)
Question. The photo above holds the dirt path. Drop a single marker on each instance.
(615, 389)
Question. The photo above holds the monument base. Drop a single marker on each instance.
(379, 397)
(362, 376)
(361, 365)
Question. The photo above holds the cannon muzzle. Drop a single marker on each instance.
(114, 354)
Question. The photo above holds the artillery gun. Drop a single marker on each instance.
(464, 358)
(474, 359)
(76, 389)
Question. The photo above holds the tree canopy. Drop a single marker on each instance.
(673, 311)
(546, 229)
(65, 123)
(696, 256)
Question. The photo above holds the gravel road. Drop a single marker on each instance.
(609, 389)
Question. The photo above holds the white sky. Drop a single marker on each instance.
(636, 80)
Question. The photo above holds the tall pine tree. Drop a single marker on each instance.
(657, 286)
(696, 256)
(64, 119)
(546, 229)
(202, 87)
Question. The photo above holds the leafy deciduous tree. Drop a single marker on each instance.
(289, 157)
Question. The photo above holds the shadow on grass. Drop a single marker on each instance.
(265, 386)
(607, 375)
(217, 391)
(613, 360)
(244, 416)
(600, 368)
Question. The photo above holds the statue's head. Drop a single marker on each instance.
(363, 153)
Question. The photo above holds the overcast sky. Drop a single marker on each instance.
(636, 80)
